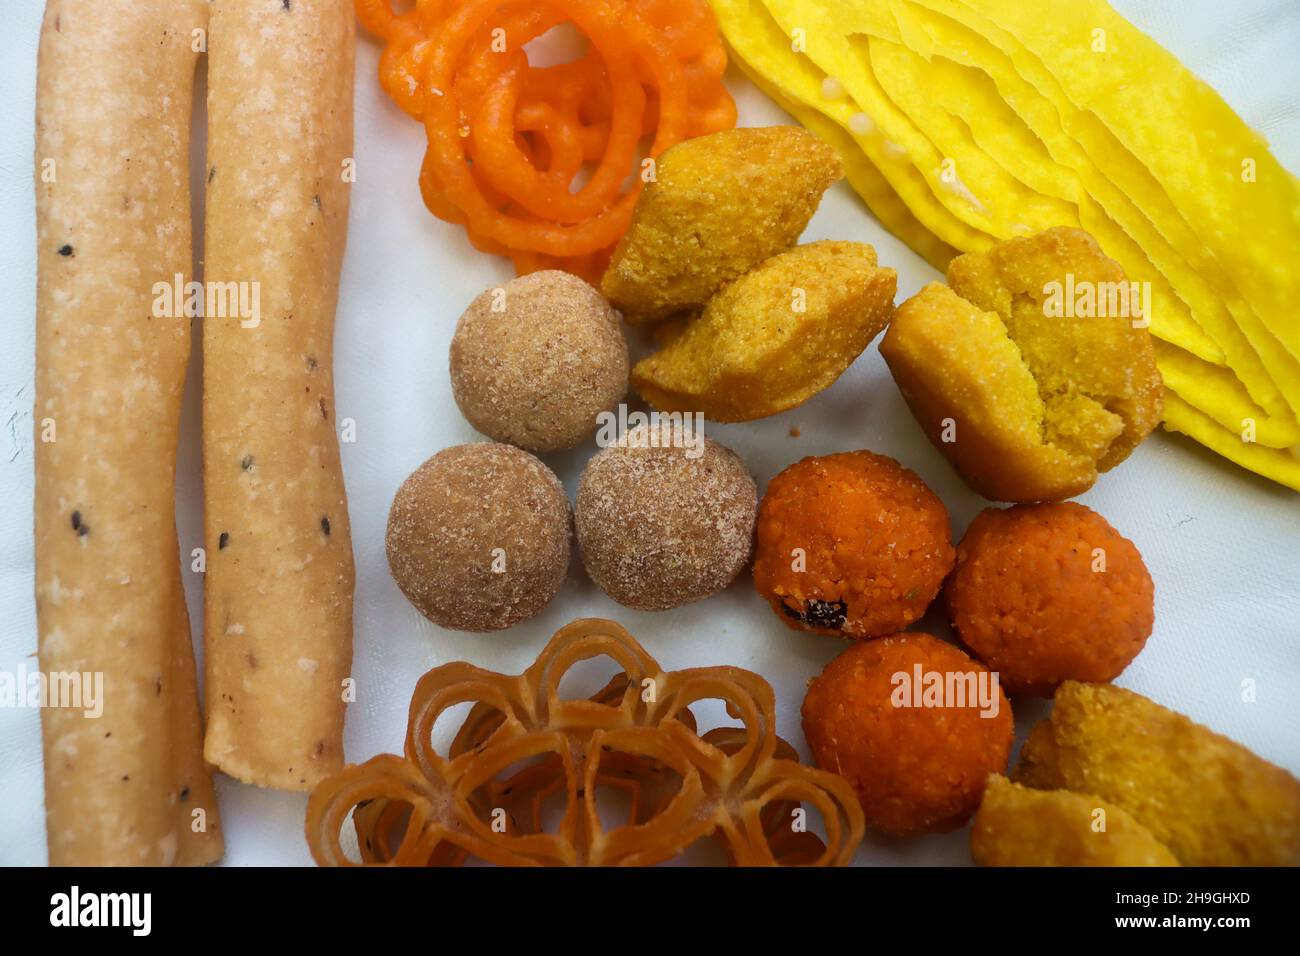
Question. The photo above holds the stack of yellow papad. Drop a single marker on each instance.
(964, 122)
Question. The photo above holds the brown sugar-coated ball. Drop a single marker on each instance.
(535, 361)
(659, 527)
(479, 537)
(914, 725)
(1048, 593)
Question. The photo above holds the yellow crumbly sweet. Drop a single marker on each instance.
(1018, 826)
(1207, 798)
(1035, 371)
(775, 337)
(718, 205)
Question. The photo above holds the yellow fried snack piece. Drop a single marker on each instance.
(1019, 826)
(1210, 800)
(718, 205)
(1278, 464)
(775, 337)
(1218, 393)
(863, 176)
(1028, 402)
(762, 45)
(965, 381)
(1081, 329)
(827, 32)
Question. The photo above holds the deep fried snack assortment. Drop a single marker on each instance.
(522, 746)
(507, 140)
(966, 123)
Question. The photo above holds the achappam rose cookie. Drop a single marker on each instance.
(851, 544)
(525, 742)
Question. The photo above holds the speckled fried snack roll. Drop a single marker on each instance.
(278, 628)
(113, 109)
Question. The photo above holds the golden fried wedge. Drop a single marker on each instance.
(1035, 371)
(968, 387)
(1210, 800)
(1088, 360)
(718, 205)
(1018, 826)
(775, 337)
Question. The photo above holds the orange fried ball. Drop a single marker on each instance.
(852, 544)
(1047, 593)
(915, 726)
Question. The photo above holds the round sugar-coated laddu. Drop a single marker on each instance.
(663, 521)
(479, 537)
(535, 361)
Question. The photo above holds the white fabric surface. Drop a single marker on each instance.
(1223, 546)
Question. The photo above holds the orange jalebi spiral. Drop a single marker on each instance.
(544, 163)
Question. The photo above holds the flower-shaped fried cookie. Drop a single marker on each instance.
(519, 784)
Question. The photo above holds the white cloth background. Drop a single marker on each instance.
(1222, 545)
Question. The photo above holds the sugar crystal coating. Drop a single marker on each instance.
(534, 361)
(479, 537)
(659, 527)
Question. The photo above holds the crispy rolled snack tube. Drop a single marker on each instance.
(278, 628)
(113, 109)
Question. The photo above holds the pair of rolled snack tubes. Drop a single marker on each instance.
(113, 201)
